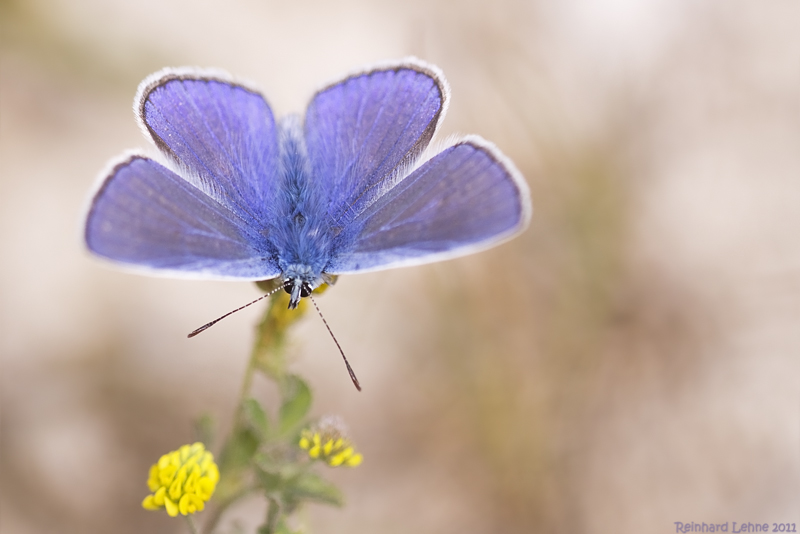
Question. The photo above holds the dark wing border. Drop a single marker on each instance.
(411, 63)
(168, 74)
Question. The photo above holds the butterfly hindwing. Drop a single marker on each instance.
(360, 130)
(464, 199)
(147, 216)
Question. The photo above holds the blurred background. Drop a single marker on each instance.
(632, 360)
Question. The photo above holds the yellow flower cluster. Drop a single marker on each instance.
(182, 481)
(329, 445)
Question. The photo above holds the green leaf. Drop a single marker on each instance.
(270, 480)
(296, 403)
(234, 459)
(257, 418)
(238, 451)
(310, 486)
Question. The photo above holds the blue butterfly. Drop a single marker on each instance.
(349, 188)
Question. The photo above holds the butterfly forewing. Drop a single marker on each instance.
(221, 133)
(360, 130)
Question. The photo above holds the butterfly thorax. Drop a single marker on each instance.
(302, 235)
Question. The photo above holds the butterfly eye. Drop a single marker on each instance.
(304, 289)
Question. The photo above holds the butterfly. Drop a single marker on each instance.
(348, 188)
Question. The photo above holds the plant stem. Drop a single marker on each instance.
(266, 354)
(273, 512)
(265, 357)
(192, 526)
(247, 380)
(266, 334)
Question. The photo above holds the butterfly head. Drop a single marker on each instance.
(299, 281)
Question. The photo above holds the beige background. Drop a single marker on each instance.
(630, 361)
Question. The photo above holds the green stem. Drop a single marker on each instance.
(265, 357)
(273, 512)
(247, 382)
(192, 526)
(267, 333)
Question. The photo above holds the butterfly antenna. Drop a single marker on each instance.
(215, 321)
(349, 369)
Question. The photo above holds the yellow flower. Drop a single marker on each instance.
(182, 481)
(328, 443)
